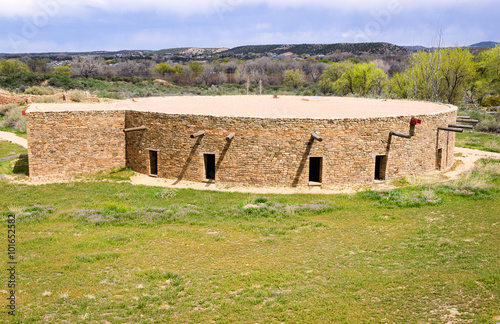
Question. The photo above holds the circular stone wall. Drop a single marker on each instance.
(286, 141)
(281, 151)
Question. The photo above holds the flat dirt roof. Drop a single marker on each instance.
(261, 106)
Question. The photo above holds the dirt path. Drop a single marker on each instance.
(13, 138)
(465, 160)
(468, 158)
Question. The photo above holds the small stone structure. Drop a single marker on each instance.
(244, 140)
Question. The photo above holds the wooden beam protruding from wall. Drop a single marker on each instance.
(316, 137)
(134, 129)
(197, 134)
(398, 134)
(230, 136)
(467, 120)
(461, 126)
(451, 129)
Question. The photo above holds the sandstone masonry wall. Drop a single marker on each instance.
(276, 152)
(75, 142)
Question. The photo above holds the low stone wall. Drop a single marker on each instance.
(65, 142)
(276, 152)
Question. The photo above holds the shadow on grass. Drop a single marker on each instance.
(22, 165)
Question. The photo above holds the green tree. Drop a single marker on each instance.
(12, 67)
(487, 84)
(62, 70)
(179, 70)
(424, 74)
(332, 74)
(443, 75)
(362, 79)
(196, 68)
(38, 65)
(293, 78)
(400, 85)
(163, 68)
(368, 79)
(457, 72)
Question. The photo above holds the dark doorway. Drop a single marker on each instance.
(439, 159)
(209, 166)
(153, 162)
(315, 168)
(380, 167)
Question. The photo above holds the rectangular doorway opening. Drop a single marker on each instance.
(153, 163)
(315, 169)
(380, 167)
(439, 159)
(209, 166)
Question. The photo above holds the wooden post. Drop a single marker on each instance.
(197, 134)
(316, 137)
(230, 136)
(135, 129)
(451, 129)
(398, 134)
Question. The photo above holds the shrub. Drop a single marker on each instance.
(36, 90)
(5, 108)
(490, 125)
(63, 70)
(403, 197)
(49, 99)
(491, 101)
(77, 95)
(14, 119)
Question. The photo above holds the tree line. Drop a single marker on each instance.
(449, 75)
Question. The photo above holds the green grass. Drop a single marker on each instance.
(9, 149)
(479, 141)
(14, 166)
(105, 251)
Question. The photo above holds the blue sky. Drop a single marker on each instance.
(76, 25)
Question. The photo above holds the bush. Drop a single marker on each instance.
(491, 101)
(40, 91)
(14, 119)
(4, 109)
(77, 95)
(49, 99)
(490, 125)
(403, 198)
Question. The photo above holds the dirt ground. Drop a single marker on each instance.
(464, 161)
(13, 138)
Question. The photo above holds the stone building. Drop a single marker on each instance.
(245, 140)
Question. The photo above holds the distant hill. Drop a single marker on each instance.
(477, 45)
(195, 51)
(485, 44)
(319, 49)
(415, 48)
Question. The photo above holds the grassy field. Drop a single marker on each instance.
(479, 141)
(110, 252)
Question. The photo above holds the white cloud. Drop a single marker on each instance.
(28, 8)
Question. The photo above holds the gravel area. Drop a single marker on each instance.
(262, 106)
